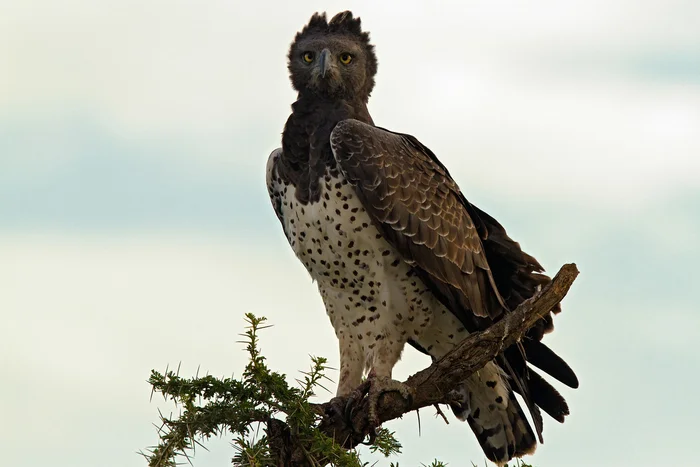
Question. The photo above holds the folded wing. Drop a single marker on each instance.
(459, 251)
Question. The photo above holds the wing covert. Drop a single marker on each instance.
(420, 210)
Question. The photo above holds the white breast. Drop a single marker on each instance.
(374, 300)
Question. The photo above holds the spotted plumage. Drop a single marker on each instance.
(398, 254)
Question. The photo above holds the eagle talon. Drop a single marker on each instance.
(353, 399)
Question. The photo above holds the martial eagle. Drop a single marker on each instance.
(398, 253)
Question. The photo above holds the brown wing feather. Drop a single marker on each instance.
(418, 207)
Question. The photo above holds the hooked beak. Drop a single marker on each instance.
(324, 62)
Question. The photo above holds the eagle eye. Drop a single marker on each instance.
(345, 58)
(308, 57)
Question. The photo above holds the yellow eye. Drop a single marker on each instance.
(308, 57)
(345, 58)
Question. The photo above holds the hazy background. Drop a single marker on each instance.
(135, 229)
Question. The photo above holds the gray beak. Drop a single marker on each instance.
(324, 62)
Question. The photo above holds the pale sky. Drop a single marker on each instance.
(135, 229)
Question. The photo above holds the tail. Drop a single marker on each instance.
(495, 416)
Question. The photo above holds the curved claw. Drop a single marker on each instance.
(354, 398)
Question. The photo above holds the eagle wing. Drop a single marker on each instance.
(452, 246)
(420, 210)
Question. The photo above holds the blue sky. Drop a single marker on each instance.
(135, 228)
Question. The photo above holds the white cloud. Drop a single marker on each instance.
(534, 98)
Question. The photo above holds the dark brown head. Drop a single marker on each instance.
(333, 59)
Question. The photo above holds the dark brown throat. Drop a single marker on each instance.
(306, 148)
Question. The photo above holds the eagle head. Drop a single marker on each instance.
(333, 59)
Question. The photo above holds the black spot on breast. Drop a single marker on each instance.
(359, 320)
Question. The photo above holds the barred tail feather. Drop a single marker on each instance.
(505, 434)
(495, 416)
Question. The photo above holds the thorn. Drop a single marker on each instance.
(418, 415)
(440, 413)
